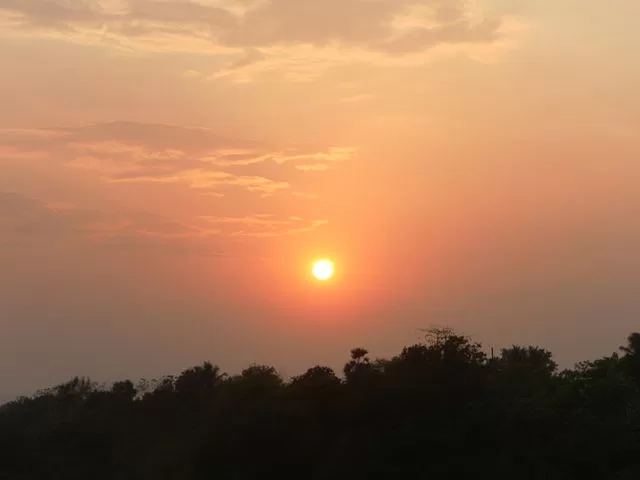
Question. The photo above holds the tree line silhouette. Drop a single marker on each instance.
(439, 409)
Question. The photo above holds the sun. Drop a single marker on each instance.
(323, 270)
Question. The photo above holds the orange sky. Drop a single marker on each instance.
(169, 169)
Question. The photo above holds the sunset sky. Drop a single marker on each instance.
(169, 170)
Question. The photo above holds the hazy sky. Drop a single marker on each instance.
(170, 169)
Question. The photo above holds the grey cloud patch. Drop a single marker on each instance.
(28, 221)
(55, 13)
(362, 23)
(180, 12)
(68, 14)
(23, 218)
(449, 11)
(312, 22)
(368, 24)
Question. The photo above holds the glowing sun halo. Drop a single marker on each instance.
(323, 270)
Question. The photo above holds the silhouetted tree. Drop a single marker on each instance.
(632, 356)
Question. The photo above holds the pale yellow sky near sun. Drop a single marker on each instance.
(184, 161)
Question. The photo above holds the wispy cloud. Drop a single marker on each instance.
(229, 180)
(358, 98)
(259, 35)
(376, 25)
(265, 225)
(203, 179)
(195, 158)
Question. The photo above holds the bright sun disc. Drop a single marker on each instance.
(323, 270)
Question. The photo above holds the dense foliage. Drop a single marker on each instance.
(441, 409)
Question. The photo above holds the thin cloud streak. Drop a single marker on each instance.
(266, 225)
(197, 158)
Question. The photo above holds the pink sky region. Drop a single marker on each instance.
(170, 169)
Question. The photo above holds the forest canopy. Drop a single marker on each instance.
(443, 408)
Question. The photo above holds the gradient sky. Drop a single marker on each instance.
(169, 169)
